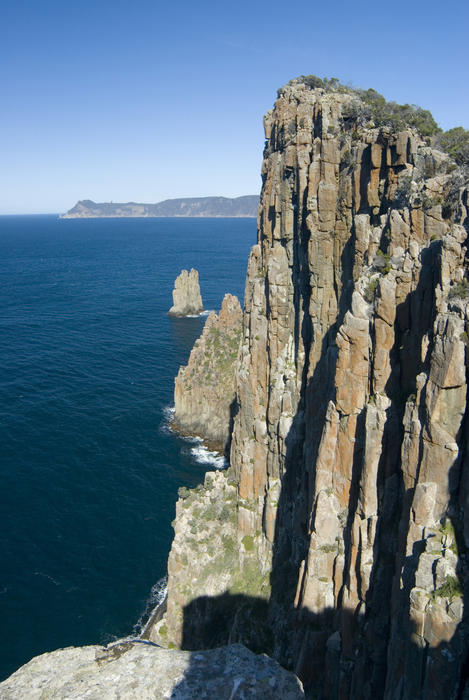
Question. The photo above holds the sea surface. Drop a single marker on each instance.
(89, 469)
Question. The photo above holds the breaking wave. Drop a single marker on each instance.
(157, 596)
(203, 455)
(203, 313)
(199, 452)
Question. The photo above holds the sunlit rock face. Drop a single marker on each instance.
(127, 670)
(204, 390)
(187, 300)
(349, 449)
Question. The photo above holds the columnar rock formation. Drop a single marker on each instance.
(337, 540)
(187, 300)
(204, 390)
(346, 519)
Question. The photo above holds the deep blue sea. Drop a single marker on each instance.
(89, 470)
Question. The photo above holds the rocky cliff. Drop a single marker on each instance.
(204, 390)
(337, 539)
(187, 300)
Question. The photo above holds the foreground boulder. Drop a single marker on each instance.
(187, 299)
(135, 669)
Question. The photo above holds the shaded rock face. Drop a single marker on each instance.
(349, 448)
(204, 552)
(187, 300)
(204, 390)
(129, 670)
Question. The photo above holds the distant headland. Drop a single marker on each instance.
(245, 206)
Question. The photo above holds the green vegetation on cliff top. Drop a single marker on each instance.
(374, 109)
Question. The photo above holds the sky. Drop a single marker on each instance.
(143, 100)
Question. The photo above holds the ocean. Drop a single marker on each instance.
(88, 465)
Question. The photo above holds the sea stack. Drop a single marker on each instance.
(187, 300)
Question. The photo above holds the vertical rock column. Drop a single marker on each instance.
(349, 447)
(187, 300)
(347, 443)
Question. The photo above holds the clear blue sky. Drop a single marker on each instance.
(120, 100)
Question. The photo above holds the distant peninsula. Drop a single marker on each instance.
(191, 206)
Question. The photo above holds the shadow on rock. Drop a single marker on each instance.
(235, 629)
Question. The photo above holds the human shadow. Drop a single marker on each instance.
(213, 621)
(230, 619)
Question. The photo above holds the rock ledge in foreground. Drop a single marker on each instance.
(129, 670)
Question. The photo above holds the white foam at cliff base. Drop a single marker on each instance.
(199, 452)
(203, 313)
(205, 456)
(157, 595)
(192, 439)
(159, 591)
(168, 415)
(168, 412)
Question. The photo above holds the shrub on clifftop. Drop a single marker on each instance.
(374, 110)
(455, 142)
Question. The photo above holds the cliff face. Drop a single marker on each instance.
(349, 467)
(187, 299)
(204, 390)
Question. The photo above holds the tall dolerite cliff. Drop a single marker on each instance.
(337, 539)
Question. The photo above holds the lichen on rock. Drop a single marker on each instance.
(131, 670)
(214, 578)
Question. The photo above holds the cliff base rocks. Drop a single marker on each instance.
(187, 300)
(129, 670)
